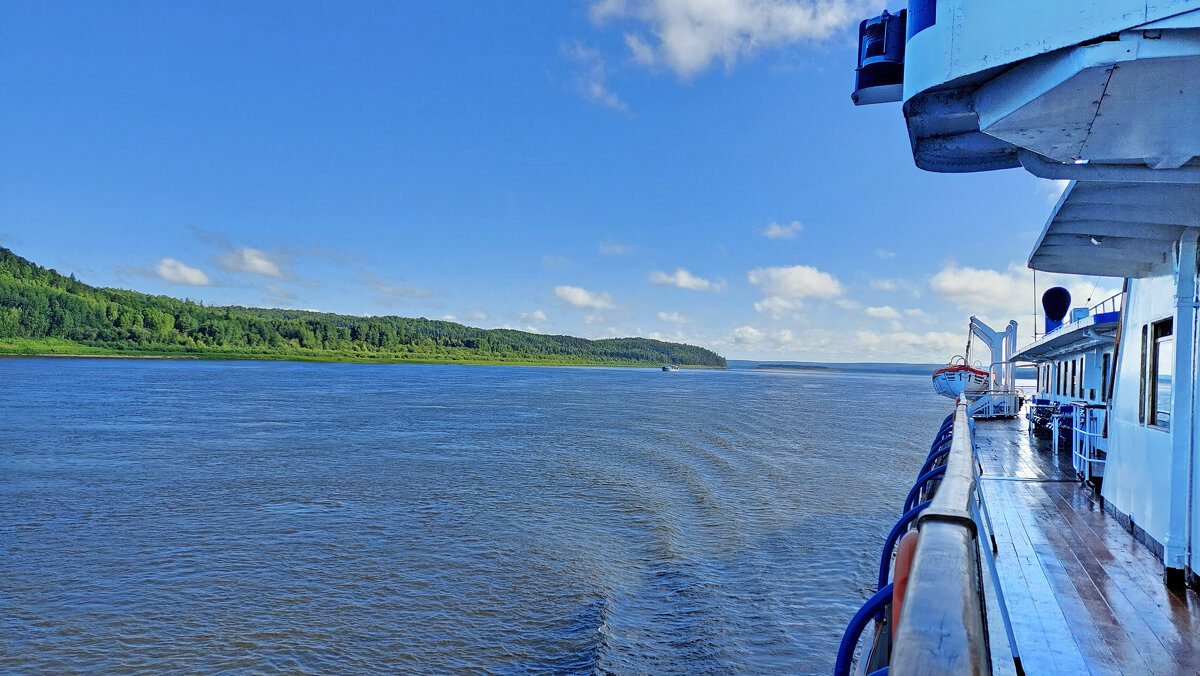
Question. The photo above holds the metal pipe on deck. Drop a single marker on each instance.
(1043, 167)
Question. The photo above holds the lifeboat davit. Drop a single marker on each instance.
(956, 378)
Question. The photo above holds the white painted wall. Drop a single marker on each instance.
(970, 36)
(1137, 477)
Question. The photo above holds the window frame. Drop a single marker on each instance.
(1142, 378)
(1162, 331)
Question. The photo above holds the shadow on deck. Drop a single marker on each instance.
(1084, 596)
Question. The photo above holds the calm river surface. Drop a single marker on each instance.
(338, 518)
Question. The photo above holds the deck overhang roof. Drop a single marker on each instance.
(1075, 337)
(1116, 229)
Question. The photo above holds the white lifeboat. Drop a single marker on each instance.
(956, 378)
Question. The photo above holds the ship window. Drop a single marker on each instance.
(1105, 363)
(1161, 367)
(1142, 379)
(1073, 377)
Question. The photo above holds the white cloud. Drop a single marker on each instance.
(785, 288)
(280, 294)
(883, 312)
(580, 297)
(590, 76)
(176, 272)
(765, 340)
(639, 50)
(535, 317)
(254, 261)
(884, 253)
(448, 318)
(920, 315)
(688, 35)
(777, 231)
(673, 318)
(683, 279)
(1052, 190)
(614, 249)
(931, 347)
(396, 291)
(895, 285)
(477, 315)
(847, 304)
(754, 343)
(1011, 291)
(819, 344)
(980, 290)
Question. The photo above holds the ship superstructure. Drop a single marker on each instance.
(1009, 565)
(1075, 382)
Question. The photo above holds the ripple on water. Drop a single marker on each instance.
(324, 518)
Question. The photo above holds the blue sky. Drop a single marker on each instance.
(589, 168)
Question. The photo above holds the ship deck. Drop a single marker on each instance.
(1084, 596)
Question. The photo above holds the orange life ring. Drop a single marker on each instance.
(904, 558)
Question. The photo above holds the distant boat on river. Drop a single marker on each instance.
(670, 367)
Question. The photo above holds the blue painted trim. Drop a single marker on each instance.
(921, 15)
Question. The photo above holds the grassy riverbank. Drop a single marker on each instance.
(52, 347)
(45, 313)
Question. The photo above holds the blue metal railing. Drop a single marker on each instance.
(870, 609)
(876, 606)
(889, 544)
(915, 492)
(934, 457)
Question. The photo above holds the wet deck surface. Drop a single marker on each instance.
(1084, 596)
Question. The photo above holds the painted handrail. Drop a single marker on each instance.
(1115, 300)
(941, 628)
(869, 610)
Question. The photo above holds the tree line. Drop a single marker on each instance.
(37, 303)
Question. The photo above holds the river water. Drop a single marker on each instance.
(253, 517)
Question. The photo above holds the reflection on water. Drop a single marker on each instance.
(342, 518)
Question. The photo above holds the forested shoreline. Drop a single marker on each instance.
(44, 312)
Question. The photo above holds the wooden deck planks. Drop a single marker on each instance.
(1083, 595)
(1137, 598)
(1124, 637)
(1039, 622)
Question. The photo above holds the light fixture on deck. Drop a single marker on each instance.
(1096, 240)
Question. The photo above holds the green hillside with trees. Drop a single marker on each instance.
(43, 312)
